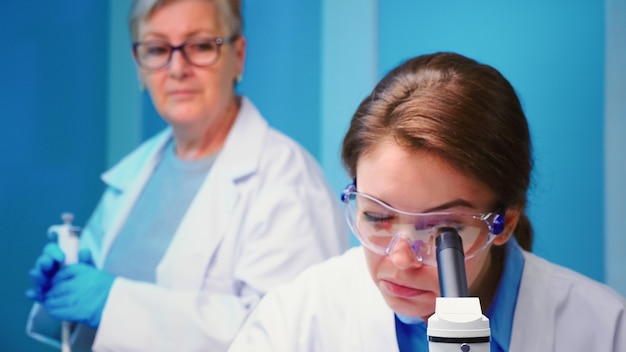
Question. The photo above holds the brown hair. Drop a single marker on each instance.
(229, 15)
(464, 111)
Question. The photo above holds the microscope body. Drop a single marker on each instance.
(458, 324)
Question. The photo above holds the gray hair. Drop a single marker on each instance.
(228, 11)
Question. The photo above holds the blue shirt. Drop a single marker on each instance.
(155, 217)
(412, 337)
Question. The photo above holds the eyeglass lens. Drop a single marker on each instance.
(156, 54)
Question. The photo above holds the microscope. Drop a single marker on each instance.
(458, 323)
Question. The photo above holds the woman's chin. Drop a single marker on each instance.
(422, 307)
(182, 118)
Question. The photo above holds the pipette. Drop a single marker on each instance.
(66, 235)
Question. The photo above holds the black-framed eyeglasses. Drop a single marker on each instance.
(156, 54)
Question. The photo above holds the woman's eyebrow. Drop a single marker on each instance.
(451, 204)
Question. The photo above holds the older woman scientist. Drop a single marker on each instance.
(200, 221)
(442, 141)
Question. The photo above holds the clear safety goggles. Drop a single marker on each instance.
(380, 227)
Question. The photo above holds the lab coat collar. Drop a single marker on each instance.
(248, 130)
(541, 300)
(370, 334)
(198, 235)
(138, 164)
(242, 148)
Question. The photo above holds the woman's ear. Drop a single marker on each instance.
(240, 55)
(511, 217)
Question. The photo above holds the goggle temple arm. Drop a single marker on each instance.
(351, 187)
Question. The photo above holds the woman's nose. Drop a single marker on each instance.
(403, 254)
(178, 65)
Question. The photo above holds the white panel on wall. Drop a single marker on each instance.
(349, 72)
(615, 144)
(124, 98)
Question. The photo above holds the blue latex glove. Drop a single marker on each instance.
(46, 266)
(78, 292)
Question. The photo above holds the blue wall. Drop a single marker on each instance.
(309, 65)
(53, 132)
(282, 72)
(553, 54)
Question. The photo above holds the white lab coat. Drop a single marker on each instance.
(263, 214)
(335, 306)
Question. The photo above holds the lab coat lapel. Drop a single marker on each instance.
(199, 234)
(205, 224)
(128, 179)
(539, 313)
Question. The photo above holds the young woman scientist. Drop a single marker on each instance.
(201, 220)
(442, 141)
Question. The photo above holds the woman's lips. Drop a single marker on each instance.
(400, 290)
(182, 93)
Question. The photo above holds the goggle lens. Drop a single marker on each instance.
(379, 227)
